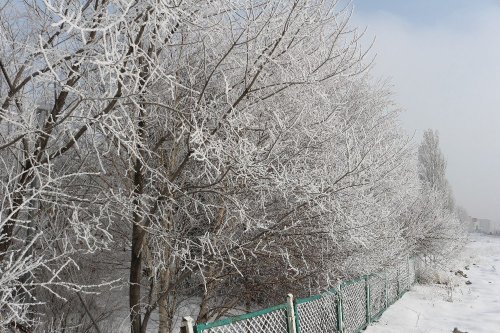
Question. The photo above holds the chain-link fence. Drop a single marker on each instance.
(318, 313)
(272, 320)
(349, 308)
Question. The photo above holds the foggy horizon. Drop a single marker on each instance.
(442, 63)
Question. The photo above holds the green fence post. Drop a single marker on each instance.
(408, 270)
(187, 325)
(386, 292)
(340, 318)
(413, 264)
(398, 280)
(290, 313)
(368, 300)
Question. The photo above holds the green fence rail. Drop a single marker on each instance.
(348, 308)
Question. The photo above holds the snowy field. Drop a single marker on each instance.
(473, 308)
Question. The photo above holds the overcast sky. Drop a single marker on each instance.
(443, 59)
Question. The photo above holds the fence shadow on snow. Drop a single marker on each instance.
(348, 308)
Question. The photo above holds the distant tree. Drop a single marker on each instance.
(433, 228)
(432, 164)
(432, 167)
(462, 215)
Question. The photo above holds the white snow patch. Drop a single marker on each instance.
(473, 308)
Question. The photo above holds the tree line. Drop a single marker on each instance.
(164, 155)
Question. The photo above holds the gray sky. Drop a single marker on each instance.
(443, 58)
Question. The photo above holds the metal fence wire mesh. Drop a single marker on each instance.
(377, 294)
(411, 271)
(271, 322)
(318, 315)
(392, 285)
(354, 305)
(403, 277)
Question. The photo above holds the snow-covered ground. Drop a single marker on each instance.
(473, 308)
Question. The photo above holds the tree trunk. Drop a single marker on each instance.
(135, 280)
(137, 240)
(165, 320)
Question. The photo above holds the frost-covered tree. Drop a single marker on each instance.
(433, 227)
(432, 164)
(432, 167)
(463, 216)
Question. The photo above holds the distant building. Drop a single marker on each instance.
(495, 227)
(486, 226)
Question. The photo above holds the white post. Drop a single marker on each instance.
(291, 314)
(187, 325)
